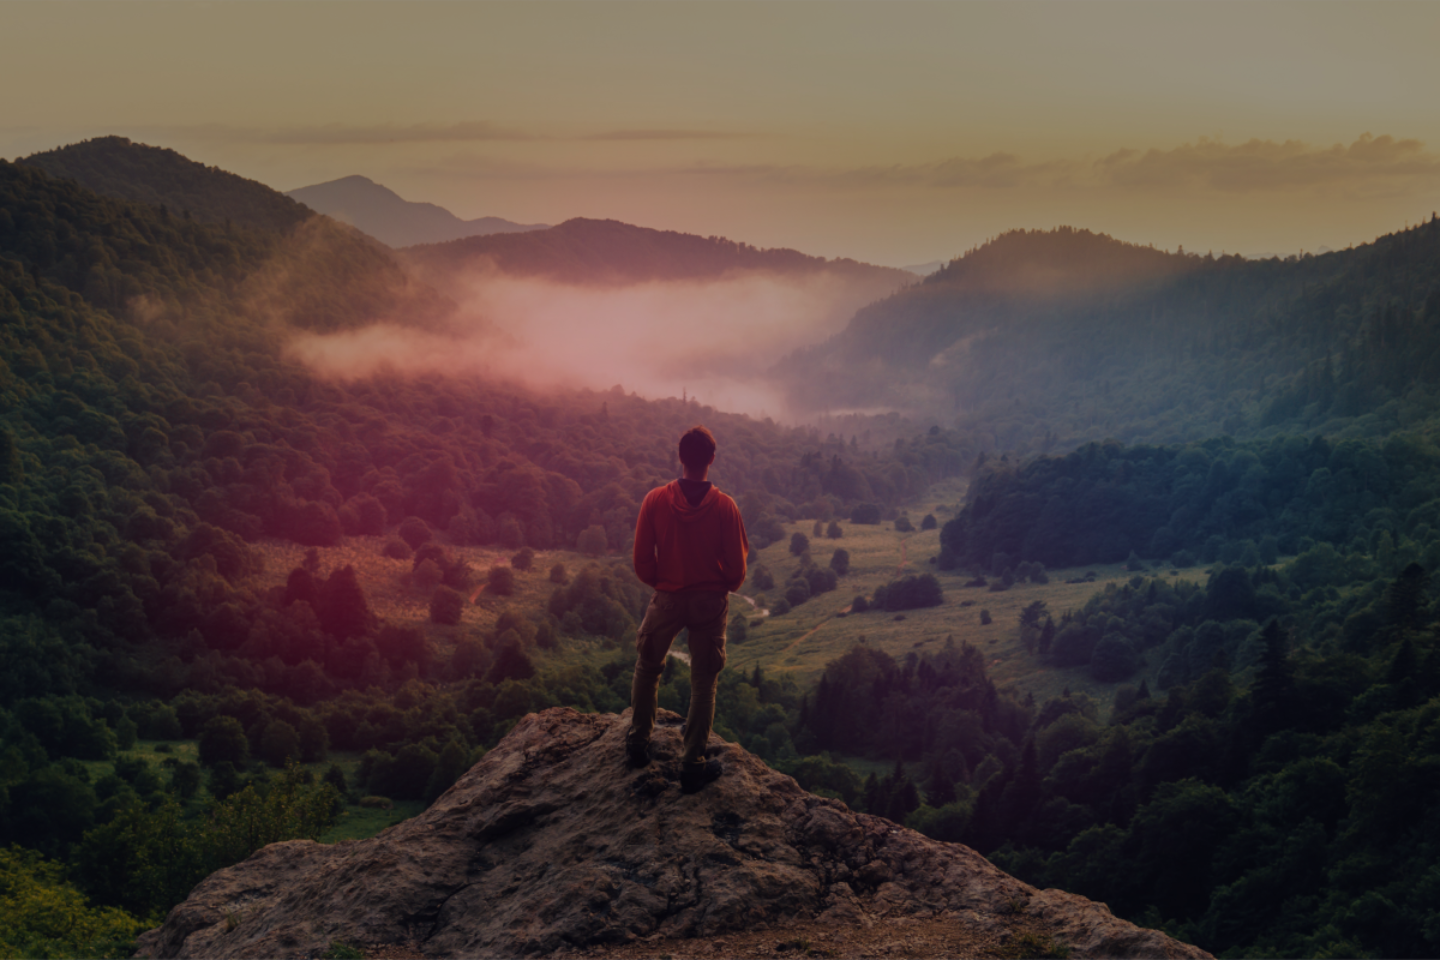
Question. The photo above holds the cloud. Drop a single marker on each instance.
(997, 170)
(1370, 164)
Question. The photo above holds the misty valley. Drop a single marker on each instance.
(1114, 564)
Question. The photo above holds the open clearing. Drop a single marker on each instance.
(803, 640)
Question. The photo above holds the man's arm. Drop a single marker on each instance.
(643, 558)
(737, 548)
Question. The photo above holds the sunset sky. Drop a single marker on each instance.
(896, 133)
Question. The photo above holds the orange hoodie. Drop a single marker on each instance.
(683, 548)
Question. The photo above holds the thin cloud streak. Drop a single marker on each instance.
(625, 135)
(340, 134)
(1369, 164)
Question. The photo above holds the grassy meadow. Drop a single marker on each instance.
(803, 640)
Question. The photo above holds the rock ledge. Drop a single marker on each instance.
(551, 844)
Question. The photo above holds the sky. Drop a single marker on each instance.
(896, 133)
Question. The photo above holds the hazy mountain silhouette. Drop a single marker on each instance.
(393, 220)
(608, 252)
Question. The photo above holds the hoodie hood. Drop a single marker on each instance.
(681, 503)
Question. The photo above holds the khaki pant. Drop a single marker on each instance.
(705, 616)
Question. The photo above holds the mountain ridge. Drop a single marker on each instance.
(1057, 338)
(611, 252)
(114, 166)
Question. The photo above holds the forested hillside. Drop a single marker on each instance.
(1043, 340)
(152, 433)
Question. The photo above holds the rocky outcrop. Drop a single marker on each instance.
(552, 843)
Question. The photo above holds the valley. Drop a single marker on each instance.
(1136, 567)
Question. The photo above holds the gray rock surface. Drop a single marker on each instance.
(551, 842)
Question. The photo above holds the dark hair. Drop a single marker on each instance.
(697, 447)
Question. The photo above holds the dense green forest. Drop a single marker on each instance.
(1268, 788)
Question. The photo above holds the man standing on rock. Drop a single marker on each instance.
(690, 546)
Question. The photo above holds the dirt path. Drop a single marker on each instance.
(804, 636)
(751, 600)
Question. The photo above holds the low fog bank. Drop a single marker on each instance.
(711, 340)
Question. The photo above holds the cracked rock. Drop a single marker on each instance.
(552, 843)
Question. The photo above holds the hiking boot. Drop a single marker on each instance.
(693, 776)
(637, 751)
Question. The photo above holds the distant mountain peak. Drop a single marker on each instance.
(388, 217)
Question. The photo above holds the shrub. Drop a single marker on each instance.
(821, 580)
(558, 574)
(903, 524)
(799, 543)
(984, 617)
(929, 522)
(833, 532)
(396, 549)
(501, 580)
(446, 606)
(222, 739)
(592, 541)
(910, 592)
(859, 604)
(867, 513)
(840, 562)
(523, 560)
(426, 576)
(279, 743)
(511, 533)
(414, 531)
